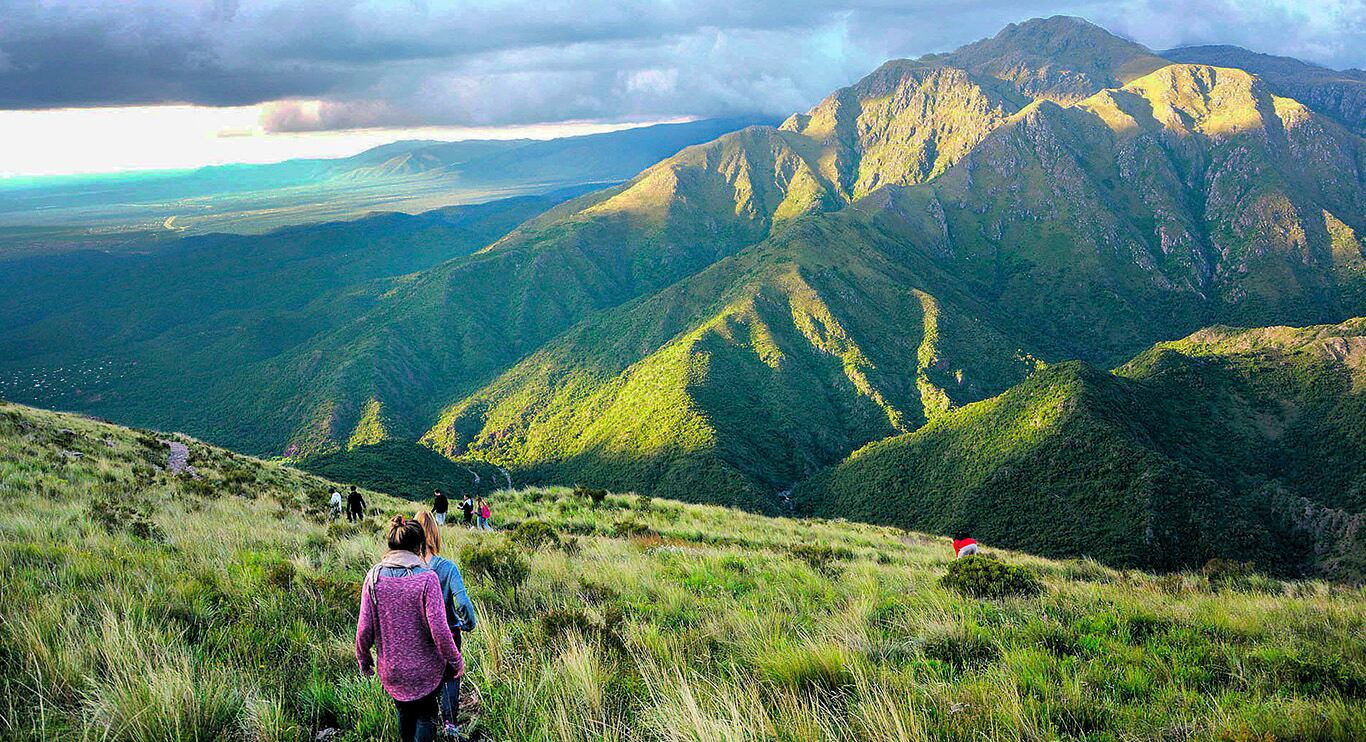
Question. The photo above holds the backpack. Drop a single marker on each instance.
(372, 579)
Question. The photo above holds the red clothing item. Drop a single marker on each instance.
(959, 543)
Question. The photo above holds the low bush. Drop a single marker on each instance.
(988, 577)
(632, 528)
(559, 623)
(503, 565)
(116, 517)
(819, 557)
(535, 534)
(280, 574)
(595, 495)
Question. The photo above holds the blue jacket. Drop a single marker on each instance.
(459, 609)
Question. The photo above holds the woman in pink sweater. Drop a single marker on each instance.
(403, 616)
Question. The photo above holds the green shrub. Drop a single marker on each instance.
(988, 577)
(503, 565)
(596, 592)
(559, 623)
(819, 557)
(595, 495)
(116, 517)
(280, 574)
(535, 534)
(645, 503)
(631, 528)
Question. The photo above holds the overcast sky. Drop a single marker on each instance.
(273, 70)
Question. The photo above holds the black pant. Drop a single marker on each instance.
(352, 514)
(417, 719)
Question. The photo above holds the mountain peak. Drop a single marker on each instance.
(1062, 58)
(1053, 26)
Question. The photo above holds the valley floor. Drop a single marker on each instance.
(138, 605)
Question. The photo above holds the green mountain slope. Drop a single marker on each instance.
(732, 385)
(122, 333)
(1243, 444)
(1340, 94)
(459, 325)
(1066, 232)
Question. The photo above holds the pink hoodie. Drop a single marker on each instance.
(404, 618)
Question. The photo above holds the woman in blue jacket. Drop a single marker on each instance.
(459, 611)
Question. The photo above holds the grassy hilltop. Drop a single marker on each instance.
(138, 605)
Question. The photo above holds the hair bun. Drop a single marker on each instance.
(396, 522)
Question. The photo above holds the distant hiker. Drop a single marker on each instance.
(355, 505)
(402, 616)
(334, 505)
(484, 513)
(467, 507)
(439, 507)
(459, 613)
(963, 545)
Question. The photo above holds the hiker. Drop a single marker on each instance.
(439, 507)
(484, 513)
(334, 505)
(963, 545)
(355, 505)
(467, 507)
(459, 614)
(403, 617)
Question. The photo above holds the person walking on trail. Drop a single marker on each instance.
(963, 545)
(439, 507)
(334, 505)
(467, 508)
(355, 505)
(403, 618)
(459, 614)
(484, 513)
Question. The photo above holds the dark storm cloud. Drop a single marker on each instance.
(411, 63)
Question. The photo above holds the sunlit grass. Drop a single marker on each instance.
(702, 625)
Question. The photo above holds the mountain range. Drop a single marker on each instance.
(991, 226)
(115, 209)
